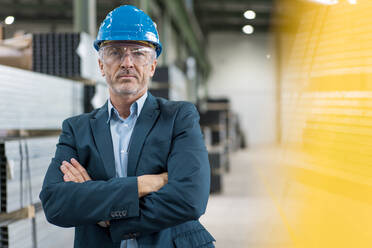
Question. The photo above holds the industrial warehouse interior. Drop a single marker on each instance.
(283, 92)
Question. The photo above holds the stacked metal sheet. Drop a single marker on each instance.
(27, 162)
(215, 120)
(170, 83)
(23, 164)
(31, 103)
(31, 100)
(55, 54)
(47, 236)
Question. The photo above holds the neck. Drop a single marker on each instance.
(122, 103)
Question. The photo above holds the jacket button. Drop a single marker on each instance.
(115, 214)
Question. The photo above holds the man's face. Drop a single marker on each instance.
(127, 67)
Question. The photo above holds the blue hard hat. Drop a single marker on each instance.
(128, 23)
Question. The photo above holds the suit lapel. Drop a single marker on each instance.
(102, 137)
(145, 122)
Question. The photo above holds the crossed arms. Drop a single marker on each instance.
(75, 199)
(75, 172)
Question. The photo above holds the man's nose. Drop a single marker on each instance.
(126, 60)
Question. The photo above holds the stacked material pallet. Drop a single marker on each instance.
(160, 85)
(27, 161)
(220, 126)
(215, 122)
(33, 107)
(31, 100)
(47, 235)
(23, 164)
(55, 54)
(170, 83)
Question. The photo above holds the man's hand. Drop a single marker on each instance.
(74, 172)
(151, 183)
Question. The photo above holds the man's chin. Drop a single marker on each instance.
(127, 92)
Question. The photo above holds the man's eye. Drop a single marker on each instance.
(138, 53)
(113, 52)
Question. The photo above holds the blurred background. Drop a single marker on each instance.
(284, 92)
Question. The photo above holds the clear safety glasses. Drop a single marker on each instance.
(115, 53)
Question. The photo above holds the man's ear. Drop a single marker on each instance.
(100, 63)
(153, 67)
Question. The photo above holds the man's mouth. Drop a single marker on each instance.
(127, 76)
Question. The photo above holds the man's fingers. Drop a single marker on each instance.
(71, 172)
(81, 169)
(165, 177)
(75, 172)
(66, 178)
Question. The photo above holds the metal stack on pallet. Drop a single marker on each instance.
(170, 83)
(24, 164)
(33, 108)
(214, 123)
(35, 101)
(220, 128)
(232, 128)
(55, 54)
(3, 229)
(160, 86)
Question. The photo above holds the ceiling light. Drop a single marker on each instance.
(248, 29)
(9, 20)
(250, 14)
(353, 1)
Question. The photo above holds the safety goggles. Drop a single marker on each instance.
(116, 52)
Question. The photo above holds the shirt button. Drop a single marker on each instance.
(125, 125)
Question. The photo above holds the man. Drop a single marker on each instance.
(134, 173)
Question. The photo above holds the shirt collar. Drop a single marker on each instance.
(135, 107)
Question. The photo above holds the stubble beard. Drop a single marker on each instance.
(121, 90)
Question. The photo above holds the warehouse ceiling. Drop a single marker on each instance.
(227, 15)
(212, 15)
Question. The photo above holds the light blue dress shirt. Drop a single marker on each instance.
(121, 132)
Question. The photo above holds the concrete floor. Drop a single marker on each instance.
(245, 213)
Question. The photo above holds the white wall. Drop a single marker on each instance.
(242, 72)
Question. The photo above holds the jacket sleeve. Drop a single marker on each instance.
(70, 204)
(185, 195)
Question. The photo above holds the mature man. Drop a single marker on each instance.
(135, 172)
